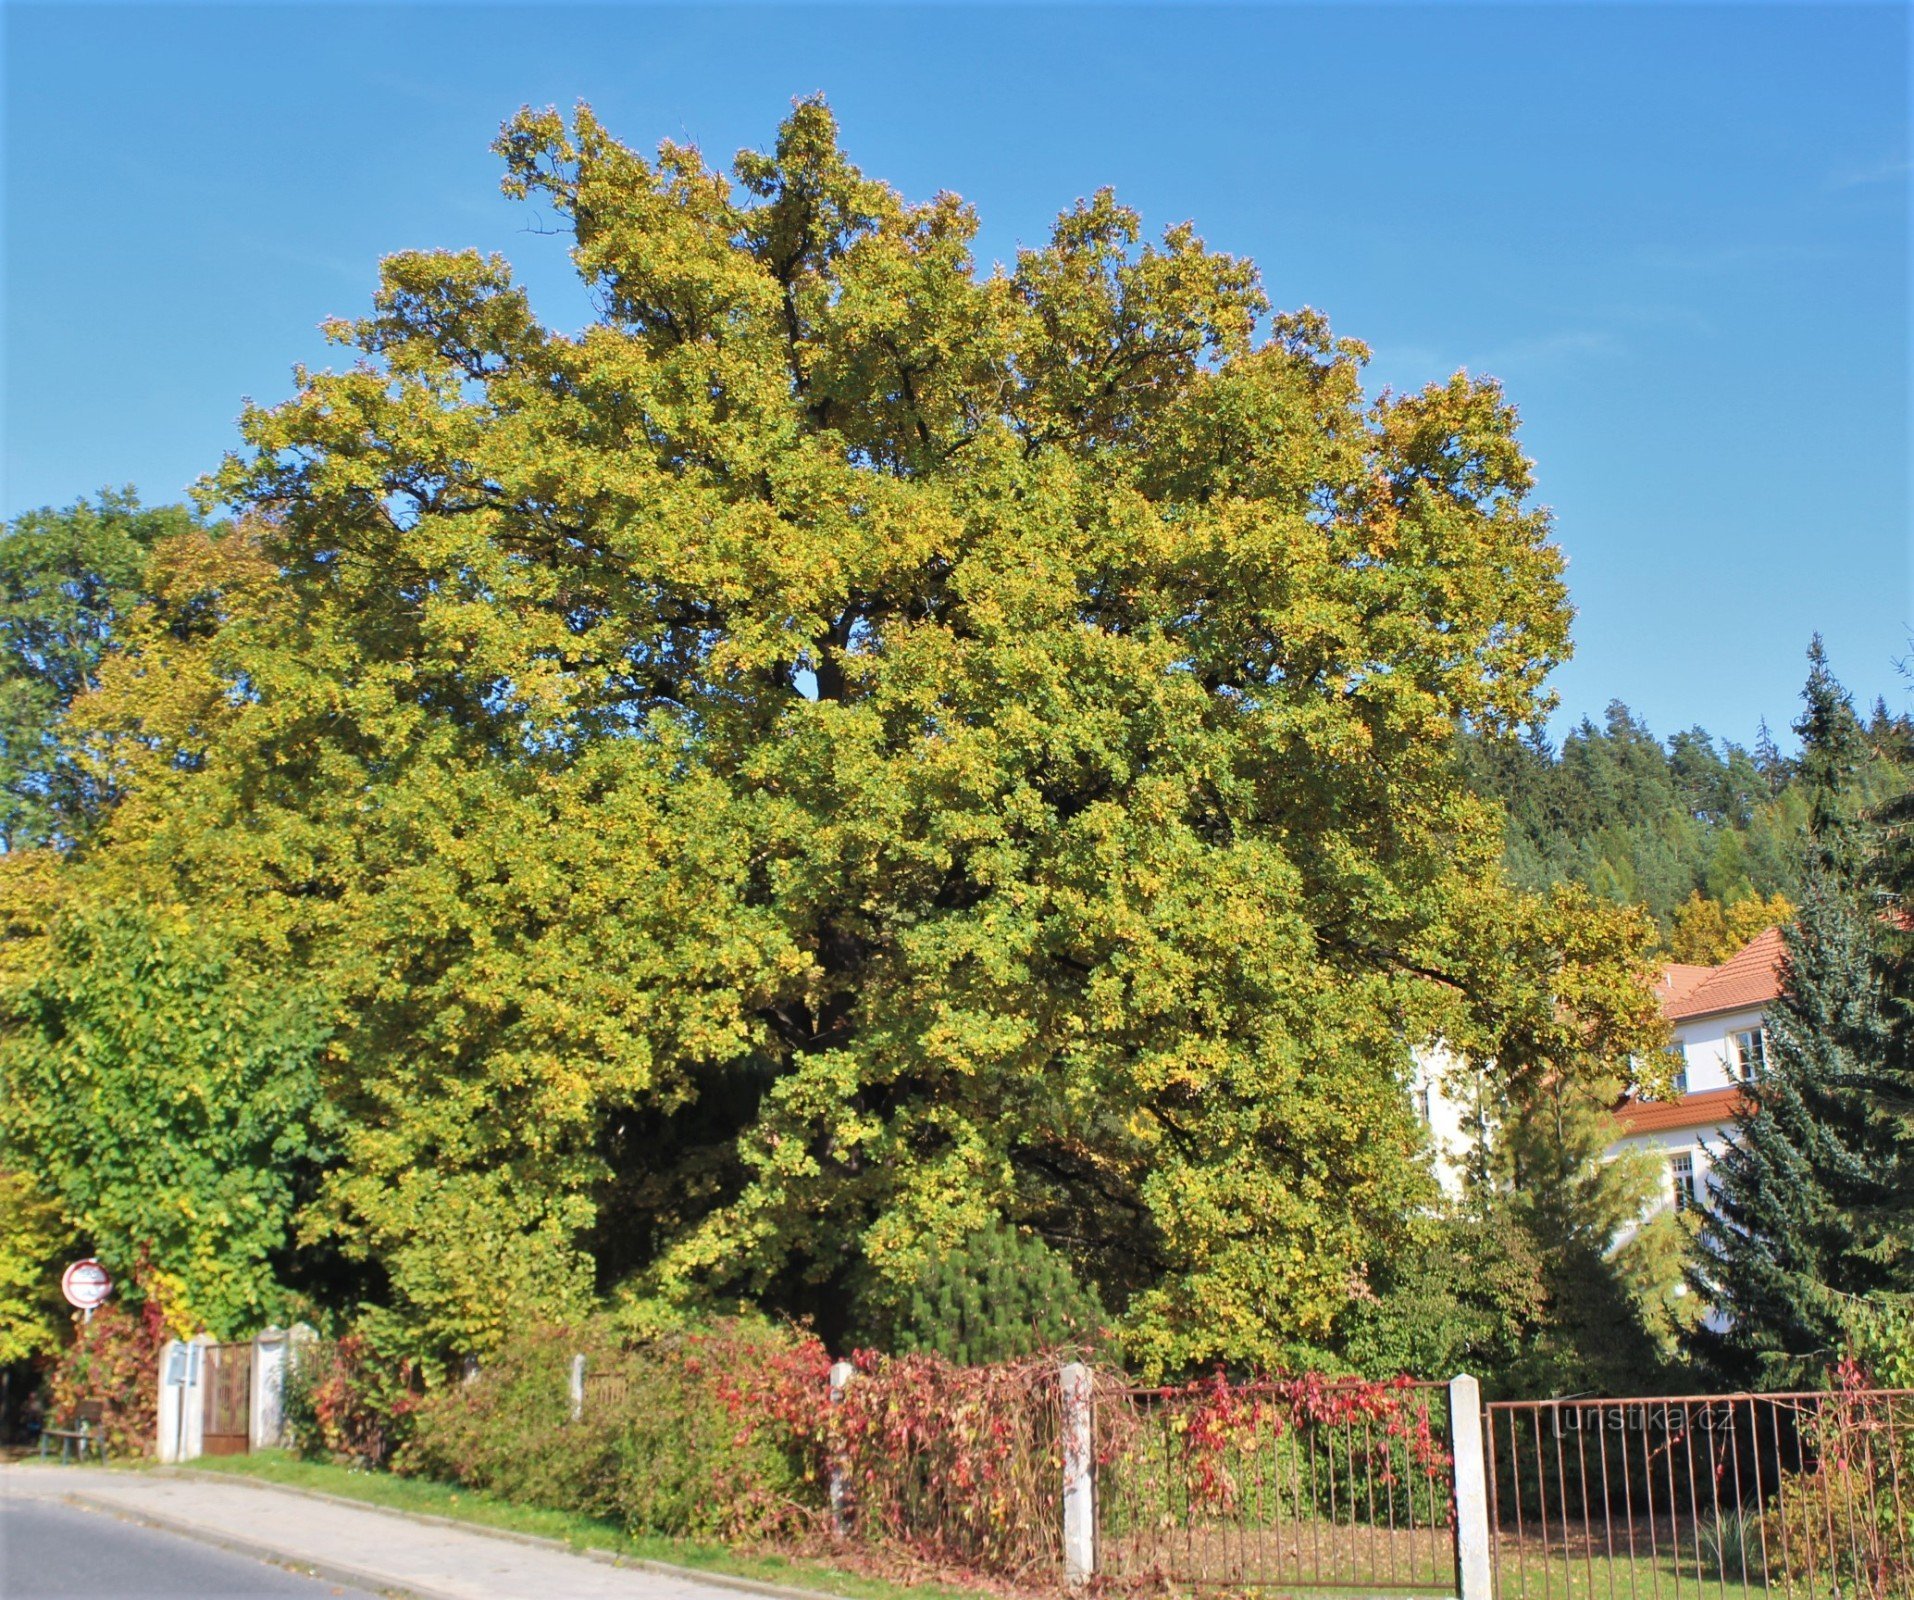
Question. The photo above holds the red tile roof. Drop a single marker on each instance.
(1678, 981)
(1707, 1107)
(1750, 977)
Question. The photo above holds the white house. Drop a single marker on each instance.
(1717, 1015)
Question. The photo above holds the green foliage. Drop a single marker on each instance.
(1880, 1339)
(1730, 1546)
(997, 1296)
(841, 749)
(1612, 1272)
(1467, 1296)
(165, 1098)
(34, 1247)
(67, 581)
(507, 1428)
(1838, 1525)
(1552, 1274)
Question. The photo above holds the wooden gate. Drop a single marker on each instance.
(229, 1387)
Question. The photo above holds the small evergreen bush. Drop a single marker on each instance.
(1000, 1296)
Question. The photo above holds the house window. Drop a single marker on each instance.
(1751, 1051)
(1681, 1168)
(1423, 1108)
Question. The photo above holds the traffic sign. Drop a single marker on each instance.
(85, 1284)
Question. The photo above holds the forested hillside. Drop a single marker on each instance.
(1701, 832)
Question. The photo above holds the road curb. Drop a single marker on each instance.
(605, 1558)
(327, 1571)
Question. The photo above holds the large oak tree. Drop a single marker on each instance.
(850, 746)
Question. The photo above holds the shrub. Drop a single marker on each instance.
(709, 1434)
(1880, 1335)
(114, 1359)
(1837, 1522)
(505, 1428)
(348, 1400)
(957, 1465)
(1835, 1526)
(730, 1433)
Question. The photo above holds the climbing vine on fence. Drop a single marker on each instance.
(954, 1465)
(1310, 1447)
(735, 1432)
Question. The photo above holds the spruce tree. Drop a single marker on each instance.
(1784, 1249)
(1885, 1217)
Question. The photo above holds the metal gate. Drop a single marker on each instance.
(1300, 1488)
(1808, 1496)
(228, 1384)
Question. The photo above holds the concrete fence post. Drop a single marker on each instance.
(1474, 1563)
(1079, 1477)
(577, 1387)
(840, 1376)
(266, 1410)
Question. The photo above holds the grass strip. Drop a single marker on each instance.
(482, 1510)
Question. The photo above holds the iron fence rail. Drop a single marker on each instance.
(1200, 1489)
(1803, 1495)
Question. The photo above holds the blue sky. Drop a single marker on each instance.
(1679, 234)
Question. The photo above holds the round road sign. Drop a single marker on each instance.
(85, 1284)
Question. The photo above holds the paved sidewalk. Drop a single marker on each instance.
(356, 1545)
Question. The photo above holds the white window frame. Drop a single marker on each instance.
(1744, 1069)
(1684, 1179)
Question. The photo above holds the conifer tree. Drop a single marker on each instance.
(1780, 1251)
(1885, 1221)
(1768, 760)
(1608, 1278)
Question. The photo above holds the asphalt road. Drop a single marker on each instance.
(50, 1550)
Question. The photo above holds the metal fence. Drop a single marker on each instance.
(1300, 1490)
(1311, 1487)
(1804, 1495)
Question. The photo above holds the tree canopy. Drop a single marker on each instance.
(67, 580)
(848, 750)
